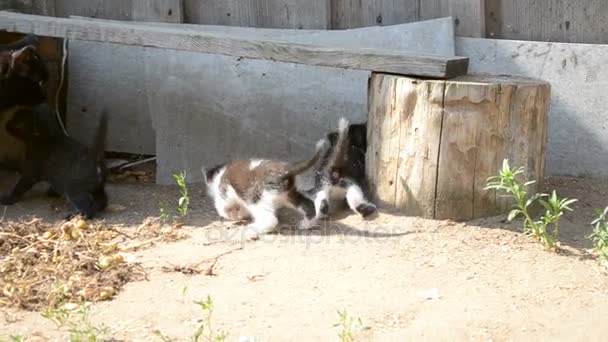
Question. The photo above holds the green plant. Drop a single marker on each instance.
(350, 326)
(205, 330)
(76, 319)
(12, 338)
(184, 201)
(507, 182)
(600, 233)
(164, 215)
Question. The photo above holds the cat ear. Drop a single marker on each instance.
(21, 60)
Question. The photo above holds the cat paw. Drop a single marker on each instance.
(366, 209)
(251, 234)
(7, 200)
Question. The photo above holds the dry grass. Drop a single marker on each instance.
(43, 265)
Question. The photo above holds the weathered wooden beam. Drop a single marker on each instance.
(118, 32)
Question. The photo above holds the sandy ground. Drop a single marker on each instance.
(487, 281)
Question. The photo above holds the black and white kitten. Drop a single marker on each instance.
(340, 176)
(257, 188)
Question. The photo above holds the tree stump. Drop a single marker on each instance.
(432, 144)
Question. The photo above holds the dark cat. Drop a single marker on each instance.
(72, 169)
(257, 188)
(340, 176)
(21, 87)
(22, 77)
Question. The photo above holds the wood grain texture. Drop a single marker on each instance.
(40, 7)
(297, 14)
(313, 14)
(104, 9)
(569, 21)
(347, 14)
(223, 44)
(220, 12)
(469, 15)
(433, 144)
(166, 11)
(404, 126)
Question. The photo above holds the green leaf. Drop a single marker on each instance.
(513, 214)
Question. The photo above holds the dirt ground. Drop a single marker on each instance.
(406, 278)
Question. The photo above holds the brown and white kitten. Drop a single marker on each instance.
(258, 188)
(340, 176)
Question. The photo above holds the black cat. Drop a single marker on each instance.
(73, 170)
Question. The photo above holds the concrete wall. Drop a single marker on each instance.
(578, 73)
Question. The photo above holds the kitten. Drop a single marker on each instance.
(23, 62)
(22, 79)
(257, 188)
(340, 176)
(72, 169)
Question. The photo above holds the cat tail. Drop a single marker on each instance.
(338, 153)
(297, 168)
(99, 144)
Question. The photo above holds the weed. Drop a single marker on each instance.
(600, 233)
(184, 201)
(162, 336)
(164, 215)
(350, 326)
(205, 330)
(507, 182)
(76, 319)
(12, 338)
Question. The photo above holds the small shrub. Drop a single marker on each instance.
(349, 327)
(205, 331)
(600, 234)
(76, 319)
(507, 182)
(183, 202)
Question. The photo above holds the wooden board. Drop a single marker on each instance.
(40, 7)
(166, 11)
(114, 9)
(260, 13)
(214, 43)
(570, 21)
(438, 167)
(360, 13)
(469, 15)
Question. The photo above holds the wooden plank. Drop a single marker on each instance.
(360, 13)
(295, 14)
(569, 21)
(404, 127)
(220, 12)
(105, 9)
(40, 7)
(259, 13)
(153, 36)
(469, 15)
(166, 11)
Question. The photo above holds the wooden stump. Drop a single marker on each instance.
(432, 144)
